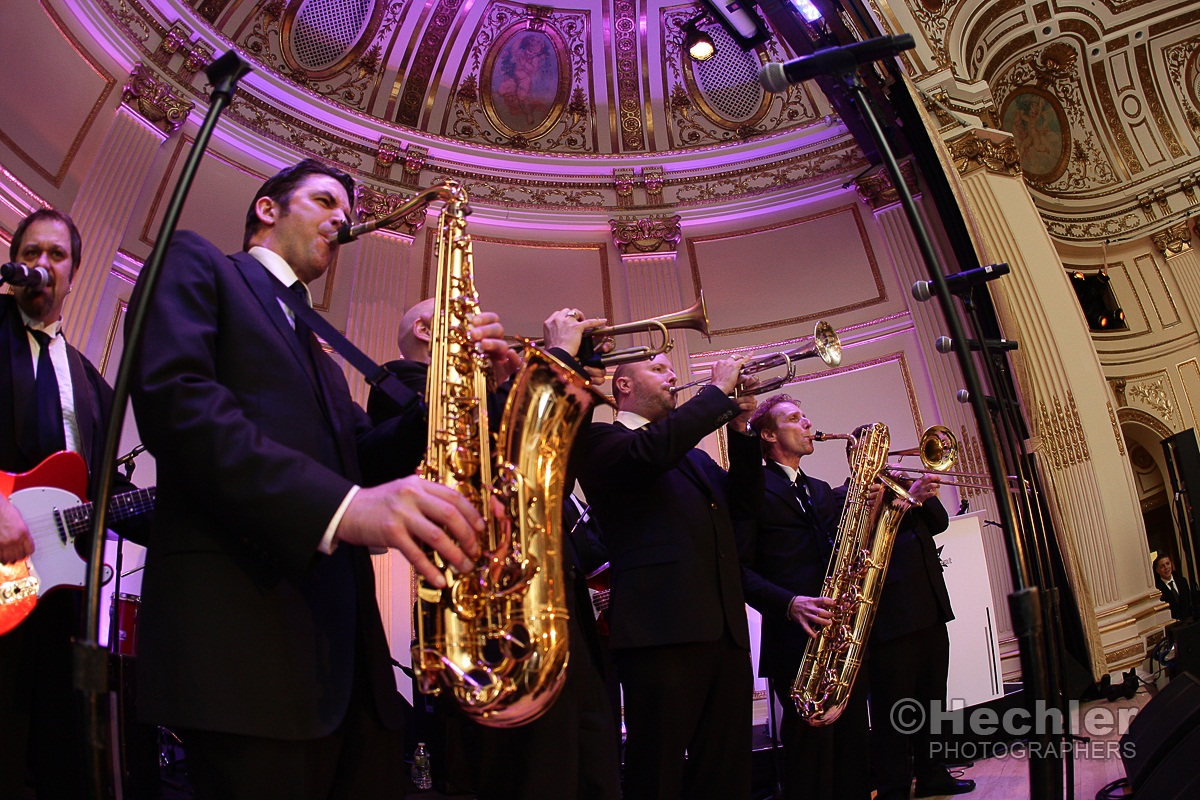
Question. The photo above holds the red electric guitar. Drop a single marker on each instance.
(599, 587)
(49, 498)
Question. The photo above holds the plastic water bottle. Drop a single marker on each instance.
(422, 778)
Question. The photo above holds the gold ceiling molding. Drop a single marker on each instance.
(1174, 240)
(972, 152)
(1153, 394)
(525, 85)
(623, 183)
(643, 235)
(415, 159)
(442, 16)
(877, 190)
(172, 43)
(154, 101)
(653, 180)
(626, 37)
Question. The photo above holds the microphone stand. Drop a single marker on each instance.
(1025, 600)
(90, 660)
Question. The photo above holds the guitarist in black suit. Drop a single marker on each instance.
(677, 614)
(785, 556)
(51, 398)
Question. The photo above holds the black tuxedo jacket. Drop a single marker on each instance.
(667, 511)
(1182, 602)
(245, 627)
(786, 553)
(914, 593)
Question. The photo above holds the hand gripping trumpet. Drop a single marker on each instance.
(824, 344)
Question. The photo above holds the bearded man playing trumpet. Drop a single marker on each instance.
(678, 625)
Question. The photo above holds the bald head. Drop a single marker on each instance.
(413, 339)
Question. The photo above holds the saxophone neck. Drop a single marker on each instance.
(451, 193)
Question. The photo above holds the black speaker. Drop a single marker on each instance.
(1159, 749)
(1187, 648)
(1183, 467)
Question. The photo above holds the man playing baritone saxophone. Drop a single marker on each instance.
(677, 617)
(785, 557)
(260, 637)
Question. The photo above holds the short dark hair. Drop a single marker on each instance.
(762, 419)
(282, 185)
(14, 249)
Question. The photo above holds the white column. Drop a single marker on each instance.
(381, 278)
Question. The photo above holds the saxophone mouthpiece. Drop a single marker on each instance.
(348, 233)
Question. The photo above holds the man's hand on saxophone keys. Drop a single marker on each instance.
(811, 612)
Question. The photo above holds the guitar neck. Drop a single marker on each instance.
(121, 507)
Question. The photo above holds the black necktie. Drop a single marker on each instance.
(303, 332)
(51, 438)
(1171, 586)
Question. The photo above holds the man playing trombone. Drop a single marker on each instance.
(677, 618)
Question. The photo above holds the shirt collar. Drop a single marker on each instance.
(277, 266)
(631, 420)
(791, 472)
(50, 330)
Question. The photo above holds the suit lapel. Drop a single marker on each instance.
(692, 465)
(779, 485)
(19, 362)
(264, 286)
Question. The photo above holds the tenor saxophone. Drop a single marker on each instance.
(862, 548)
(495, 638)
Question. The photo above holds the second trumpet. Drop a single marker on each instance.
(824, 344)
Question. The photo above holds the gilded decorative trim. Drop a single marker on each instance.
(1112, 417)
(1062, 433)
(385, 156)
(1108, 109)
(171, 44)
(629, 102)
(877, 190)
(1118, 389)
(1153, 394)
(416, 85)
(1138, 649)
(972, 152)
(653, 179)
(1174, 240)
(374, 204)
(154, 101)
(623, 183)
(646, 234)
(1148, 90)
(110, 333)
(1136, 416)
(211, 9)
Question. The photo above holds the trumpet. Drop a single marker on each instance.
(694, 318)
(824, 343)
(938, 450)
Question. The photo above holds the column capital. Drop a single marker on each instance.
(645, 236)
(971, 152)
(150, 98)
(1174, 240)
(877, 190)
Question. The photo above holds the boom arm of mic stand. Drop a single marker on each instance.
(90, 661)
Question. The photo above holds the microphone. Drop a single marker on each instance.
(944, 344)
(960, 282)
(964, 396)
(17, 274)
(776, 77)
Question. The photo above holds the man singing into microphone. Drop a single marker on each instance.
(51, 399)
